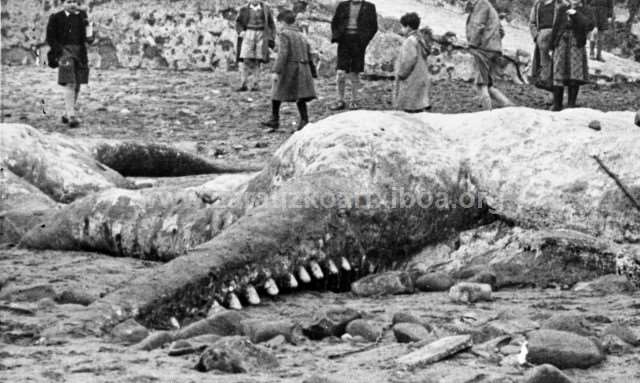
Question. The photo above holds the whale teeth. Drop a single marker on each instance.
(271, 287)
(316, 271)
(233, 302)
(216, 308)
(174, 322)
(303, 275)
(372, 268)
(333, 269)
(252, 295)
(292, 281)
(344, 264)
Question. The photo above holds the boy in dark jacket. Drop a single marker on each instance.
(68, 33)
(352, 27)
(293, 72)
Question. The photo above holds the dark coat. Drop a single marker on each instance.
(543, 82)
(580, 24)
(294, 65)
(483, 27)
(58, 36)
(269, 28)
(367, 22)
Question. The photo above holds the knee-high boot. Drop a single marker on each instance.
(573, 95)
(558, 94)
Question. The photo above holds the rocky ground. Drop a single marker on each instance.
(200, 112)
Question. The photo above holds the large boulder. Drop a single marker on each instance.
(372, 188)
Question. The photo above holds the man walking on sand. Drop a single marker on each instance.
(257, 30)
(353, 26)
(68, 33)
(484, 35)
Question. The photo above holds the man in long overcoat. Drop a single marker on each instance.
(293, 72)
(68, 33)
(353, 26)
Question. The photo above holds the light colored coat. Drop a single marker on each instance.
(412, 74)
(484, 30)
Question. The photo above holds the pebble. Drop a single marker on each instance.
(546, 373)
(28, 294)
(613, 345)
(225, 324)
(319, 379)
(389, 283)
(574, 323)
(607, 284)
(236, 354)
(636, 120)
(595, 125)
(485, 276)
(434, 282)
(411, 332)
(155, 340)
(364, 329)
(181, 347)
(75, 297)
(622, 332)
(260, 331)
(129, 332)
(332, 322)
(409, 318)
(562, 349)
(467, 292)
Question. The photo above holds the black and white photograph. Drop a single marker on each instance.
(320, 191)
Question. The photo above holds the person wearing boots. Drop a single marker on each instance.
(484, 35)
(602, 11)
(293, 72)
(354, 24)
(256, 29)
(541, 19)
(412, 75)
(568, 43)
(68, 33)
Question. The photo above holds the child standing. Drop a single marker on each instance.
(412, 77)
(293, 72)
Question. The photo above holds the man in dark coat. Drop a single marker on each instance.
(68, 33)
(257, 30)
(293, 72)
(602, 11)
(352, 27)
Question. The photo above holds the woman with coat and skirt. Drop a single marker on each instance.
(568, 44)
(543, 16)
(293, 72)
(412, 85)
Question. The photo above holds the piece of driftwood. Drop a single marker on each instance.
(618, 182)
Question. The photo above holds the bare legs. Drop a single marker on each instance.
(490, 95)
(341, 85)
(249, 74)
(71, 92)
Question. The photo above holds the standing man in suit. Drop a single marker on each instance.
(68, 33)
(352, 27)
(602, 11)
(257, 29)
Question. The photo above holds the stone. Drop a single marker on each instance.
(363, 328)
(181, 347)
(434, 282)
(402, 317)
(260, 331)
(75, 297)
(468, 292)
(226, 323)
(411, 332)
(636, 119)
(502, 327)
(28, 293)
(595, 125)
(129, 332)
(562, 349)
(155, 340)
(574, 323)
(623, 332)
(435, 351)
(613, 345)
(607, 284)
(485, 276)
(389, 283)
(546, 373)
(332, 322)
(320, 379)
(236, 354)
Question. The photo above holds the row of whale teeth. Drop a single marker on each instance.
(250, 294)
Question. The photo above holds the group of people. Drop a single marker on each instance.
(559, 30)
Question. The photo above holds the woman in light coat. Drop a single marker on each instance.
(412, 86)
